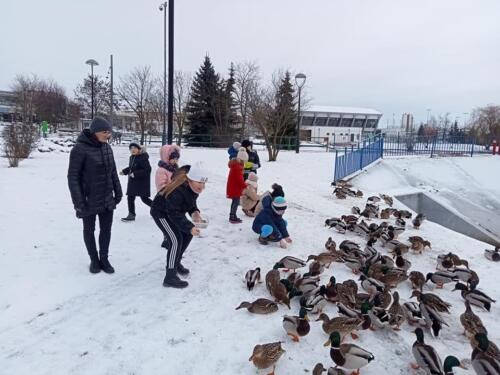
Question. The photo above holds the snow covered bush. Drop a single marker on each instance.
(18, 141)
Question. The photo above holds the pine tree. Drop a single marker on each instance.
(231, 108)
(421, 130)
(285, 115)
(200, 109)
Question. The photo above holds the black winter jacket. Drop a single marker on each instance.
(175, 206)
(140, 184)
(92, 177)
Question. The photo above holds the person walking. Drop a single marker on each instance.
(95, 189)
(45, 128)
(169, 210)
(139, 179)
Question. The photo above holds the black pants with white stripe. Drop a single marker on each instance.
(175, 241)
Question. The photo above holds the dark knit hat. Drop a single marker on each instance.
(174, 155)
(246, 143)
(277, 191)
(134, 144)
(100, 124)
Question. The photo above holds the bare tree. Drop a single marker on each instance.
(486, 123)
(182, 95)
(26, 91)
(247, 78)
(83, 95)
(135, 90)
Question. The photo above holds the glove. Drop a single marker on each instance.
(118, 200)
(131, 175)
(80, 209)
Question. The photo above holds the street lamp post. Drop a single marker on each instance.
(300, 80)
(163, 8)
(428, 115)
(91, 62)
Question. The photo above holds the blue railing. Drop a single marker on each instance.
(357, 157)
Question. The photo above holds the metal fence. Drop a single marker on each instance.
(403, 145)
(357, 157)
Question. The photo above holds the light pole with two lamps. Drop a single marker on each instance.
(167, 135)
(300, 80)
(92, 62)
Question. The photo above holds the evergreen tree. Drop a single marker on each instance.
(225, 110)
(200, 109)
(284, 115)
(421, 130)
(231, 106)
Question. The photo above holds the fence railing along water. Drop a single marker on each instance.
(357, 157)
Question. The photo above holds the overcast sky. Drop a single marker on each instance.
(392, 55)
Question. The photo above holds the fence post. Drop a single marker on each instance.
(433, 146)
(361, 155)
(381, 147)
(335, 166)
(472, 148)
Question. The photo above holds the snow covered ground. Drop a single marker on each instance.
(56, 318)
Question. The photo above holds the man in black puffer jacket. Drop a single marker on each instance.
(95, 189)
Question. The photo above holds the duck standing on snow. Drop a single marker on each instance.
(259, 306)
(484, 361)
(471, 322)
(417, 222)
(348, 356)
(417, 280)
(493, 255)
(297, 326)
(266, 355)
(432, 300)
(252, 277)
(475, 297)
(291, 263)
(441, 277)
(425, 355)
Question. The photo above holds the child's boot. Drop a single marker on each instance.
(233, 219)
(172, 280)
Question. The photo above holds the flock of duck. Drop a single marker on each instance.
(377, 306)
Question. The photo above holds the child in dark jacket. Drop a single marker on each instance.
(139, 178)
(169, 210)
(269, 223)
(236, 183)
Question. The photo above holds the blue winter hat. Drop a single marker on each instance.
(279, 205)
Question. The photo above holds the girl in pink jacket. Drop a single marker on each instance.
(169, 155)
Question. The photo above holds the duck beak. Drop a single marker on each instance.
(306, 318)
(328, 343)
(462, 365)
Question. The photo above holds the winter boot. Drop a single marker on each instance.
(262, 240)
(181, 270)
(172, 280)
(233, 219)
(105, 265)
(95, 266)
(130, 217)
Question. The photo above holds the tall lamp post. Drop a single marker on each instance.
(428, 115)
(91, 62)
(300, 80)
(168, 114)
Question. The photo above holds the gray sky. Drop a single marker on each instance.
(392, 55)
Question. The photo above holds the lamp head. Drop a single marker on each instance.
(300, 80)
(91, 62)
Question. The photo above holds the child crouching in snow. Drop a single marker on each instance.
(235, 183)
(249, 197)
(269, 223)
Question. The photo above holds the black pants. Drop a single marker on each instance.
(131, 203)
(175, 241)
(235, 202)
(105, 222)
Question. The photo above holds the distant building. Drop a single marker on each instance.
(7, 106)
(407, 123)
(338, 124)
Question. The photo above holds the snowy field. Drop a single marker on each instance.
(56, 318)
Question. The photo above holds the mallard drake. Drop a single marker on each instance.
(290, 263)
(348, 356)
(441, 277)
(266, 355)
(371, 285)
(355, 210)
(315, 303)
(331, 290)
(417, 222)
(259, 306)
(379, 317)
(432, 300)
(290, 288)
(417, 280)
(466, 275)
(307, 284)
(401, 262)
(403, 214)
(395, 244)
(252, 277)
(354, 264)
(434, 320)
(326, 259)
(485, 357)
(425, 355)
(475, 297)
(414, 314)
(400, 222)
(450, 260)
(396, 312)
(297, 326)
(480, 340)
(471, 322)
(493, 255)
(449, 363)
(349, 246)
(342, 324)
(395, 232)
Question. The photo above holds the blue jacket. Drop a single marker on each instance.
(232, 152)
(268, 217)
